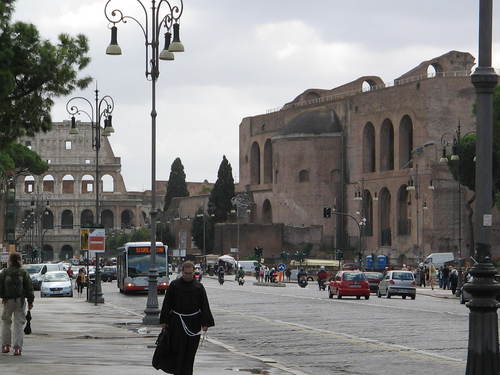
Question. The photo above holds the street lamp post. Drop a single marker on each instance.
(151, 30)
(361, 224)
(102, 108)
(483, 357)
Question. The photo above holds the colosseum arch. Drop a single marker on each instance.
(385, 217)
(386, 146)
(87, 184)
(68, 184)
(47, 253)
(107, 219)
(127, 219)
(66, 252)
(48, 219)
(404, 223)
(48, 184)
(369, 148)
(268, 162)
(86, 218)
(67, 219)
(255, 164)
(107, 184)
(267, 212)
(29, 184)
(405, 141)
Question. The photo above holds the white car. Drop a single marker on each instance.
(56, 283)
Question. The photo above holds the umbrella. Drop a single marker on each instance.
(227, 259)
(27, 328)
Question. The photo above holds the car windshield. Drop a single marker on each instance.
(354, 276)
(374, 275)
(32, 268)
(138, 264)
(52, 267)
(402, 276)
(55, 277)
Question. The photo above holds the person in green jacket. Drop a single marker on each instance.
(15, 289)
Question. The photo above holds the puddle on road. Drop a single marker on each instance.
(250, 370)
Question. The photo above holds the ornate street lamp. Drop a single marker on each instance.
(101, 109)
(151, 29)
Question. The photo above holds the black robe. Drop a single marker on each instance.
(184, 297)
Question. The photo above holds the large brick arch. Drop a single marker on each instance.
(255, 164)
(405, 141)
(386, 146)
(369, 148)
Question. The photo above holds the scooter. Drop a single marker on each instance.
(322, 284)
(221, 278)
(303, 282)
(197, 276)
(241, 281)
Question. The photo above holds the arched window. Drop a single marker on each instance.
(87, 218)
(267, 212)
(107, 219)
(405, 142)
(127, 219)
(369, 148)
(434, 70)
(68, 184)
(87, 184)
(67, 219)
(29, 184)
(255, 164)
(304, 175)
(404, 222)
(48, 184)
(385, 217)
(48, 219)
(47, 253)
(368, 213)
(107, 184)
(66, 252)
(387, 146)
(268, 162)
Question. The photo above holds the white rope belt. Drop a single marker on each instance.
(184, 325)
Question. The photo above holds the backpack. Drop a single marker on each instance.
(13, 283)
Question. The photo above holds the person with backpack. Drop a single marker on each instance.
(15, 289)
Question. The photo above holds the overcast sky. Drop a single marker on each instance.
(244, 57)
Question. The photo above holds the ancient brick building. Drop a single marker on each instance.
(371, 148)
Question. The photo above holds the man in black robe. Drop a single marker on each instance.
(185, 313)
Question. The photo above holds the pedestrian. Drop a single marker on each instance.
(423, 276)
(440, 276)
(70, 272)
(288, 274)
(432, 275)
(15, 289)
(257, 272)
(80, 281)
(185, 314)
(453, 280)
(266, 275)
(446, 276)
(261, 274)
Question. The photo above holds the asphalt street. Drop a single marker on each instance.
(304, 332)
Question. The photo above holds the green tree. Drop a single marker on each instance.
(219, 203)
(164, 235)
(176, 183)
(32, 72)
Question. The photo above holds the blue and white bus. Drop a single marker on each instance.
(133, 267)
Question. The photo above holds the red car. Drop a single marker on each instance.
(349, 283)
(374, 279)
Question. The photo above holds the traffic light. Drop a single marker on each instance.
(327, 212)
(340, 254)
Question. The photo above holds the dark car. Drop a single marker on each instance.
(374, 279)
(466, 297)
(108, 273)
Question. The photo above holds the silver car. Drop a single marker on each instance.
(397, 283)
(56, 283)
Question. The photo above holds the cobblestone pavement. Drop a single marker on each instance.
(304, 331)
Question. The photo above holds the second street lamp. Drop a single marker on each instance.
(102, 109)
(151, 29)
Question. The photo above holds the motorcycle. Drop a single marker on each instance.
(322, 284)
(241, 281)
(303, 282)
(197, 276)
(221, 278)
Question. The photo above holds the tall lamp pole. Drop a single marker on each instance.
(151, 29)
(483, 357)
(101, 109)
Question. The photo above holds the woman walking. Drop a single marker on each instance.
(80, 281)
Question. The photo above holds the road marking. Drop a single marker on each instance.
(400, 349)
(327, 300)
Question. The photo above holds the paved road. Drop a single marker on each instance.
(305, 331)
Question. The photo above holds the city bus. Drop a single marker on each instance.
(133, 267)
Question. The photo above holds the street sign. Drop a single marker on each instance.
(97, 239)
(178, 253)
(281, 267)
(234, 250)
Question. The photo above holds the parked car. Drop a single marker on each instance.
(374, 279)
(37, 271)
(349, 283)
(108, 273)
(397, 283)
(466, 296)
(56, 283)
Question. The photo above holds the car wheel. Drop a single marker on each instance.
(367, 297)
(413, 297)
(71, 295)
(404, 297)
(339, 296)
(42, 295)
(330, 295)
(387, 294)
(378, 294)
(462, 299)
(358, 297)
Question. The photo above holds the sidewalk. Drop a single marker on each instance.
(437, 292)
(71, 336)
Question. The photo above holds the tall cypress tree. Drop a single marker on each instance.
(219, 202)
(176, 183)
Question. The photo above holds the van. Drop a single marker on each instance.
(248, 265)
(36, 272)
(439, 259)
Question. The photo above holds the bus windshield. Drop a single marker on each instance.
(138, 264)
